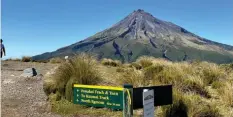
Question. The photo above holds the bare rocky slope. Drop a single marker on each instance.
(24, 97)
(142, 34)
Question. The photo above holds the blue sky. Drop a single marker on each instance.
(31, 27)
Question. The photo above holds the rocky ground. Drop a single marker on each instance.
(24, 97)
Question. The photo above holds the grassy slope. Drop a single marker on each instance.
(200, 87)
(139, 48)
(176, 54)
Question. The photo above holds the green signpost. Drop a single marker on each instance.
(98, 96)
(124, 98)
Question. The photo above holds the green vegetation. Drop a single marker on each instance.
(201, 89)
(132, 76)
(64, 107)
(41, 61)
(56, 60)
(145, 61)
(226, 94)
(110, 62)
(136, 65)
(80, 69)
(13, 59)
(26, 59)
(217, 84)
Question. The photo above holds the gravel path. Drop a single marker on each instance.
(24, 97)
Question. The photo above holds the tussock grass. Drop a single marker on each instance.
(207, 111)
(169, 75)
(120, 69)
(190, 105)
(226, 94)
(26, 59)
(110, 62)
(217, 84)
(132, 76)
(151, 71)
(49, 86)
(210, 72)
(145, 61)
(179, 108)
(135, 65)
(227, 67)
(81, 70)
(56, 60)
(195, 85)
(200, 89)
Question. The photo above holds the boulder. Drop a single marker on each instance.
(29, 72)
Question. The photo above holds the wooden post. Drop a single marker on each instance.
(128, 101)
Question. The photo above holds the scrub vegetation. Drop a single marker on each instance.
(200, 89)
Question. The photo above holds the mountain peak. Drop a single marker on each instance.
(139, 34)
(142, 24)
(140, 10)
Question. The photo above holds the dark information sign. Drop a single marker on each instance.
(98, 96)
(162, 95)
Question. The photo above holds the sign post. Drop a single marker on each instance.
(121, 98)
(148, 103)
(162, 95)
(98, 96)
(128, 101)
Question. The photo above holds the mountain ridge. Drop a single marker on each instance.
(139, 34)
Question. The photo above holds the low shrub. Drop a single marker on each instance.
(13, 59)
(81, 69)
(145, 61)
(56, 60)
(169, 75)
(136, 65)
(195, 85)
(120, 69)
(217, 84)
(226, 94)
(110, 62)
(207, 111)
(227, 66)
(151, 71)
(210, 76)
(211, 72)
(26, 59)
(49, 86)
(133, 77)
(189, 105)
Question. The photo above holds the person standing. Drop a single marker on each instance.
(3, 50)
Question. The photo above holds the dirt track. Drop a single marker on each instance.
(24, 97)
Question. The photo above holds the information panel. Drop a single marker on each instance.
(148, 103)
(98, 96)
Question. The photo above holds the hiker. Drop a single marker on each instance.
(2, 49)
